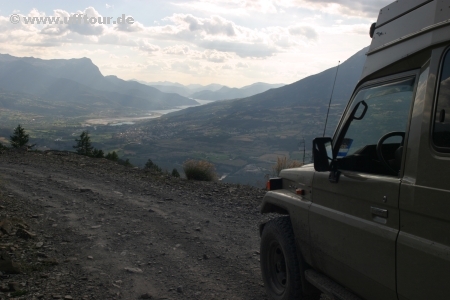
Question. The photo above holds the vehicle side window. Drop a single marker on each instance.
(441, 130)
(377, 112)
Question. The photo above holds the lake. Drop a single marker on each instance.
(149, 115)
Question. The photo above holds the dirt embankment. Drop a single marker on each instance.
(82, 228)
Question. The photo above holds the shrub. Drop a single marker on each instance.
(175, 173)
(151, 166)
(284, 163)
(199, 170)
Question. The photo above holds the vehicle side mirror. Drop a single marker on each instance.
(322, 154)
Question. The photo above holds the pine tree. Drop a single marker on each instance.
(83, 145)
(112, 156)
(175, 173)
(127, 163)
(149, 165)
(19, 138)
(98, 153)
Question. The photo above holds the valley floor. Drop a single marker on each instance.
(98, 230)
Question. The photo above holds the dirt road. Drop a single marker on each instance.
(119, 233)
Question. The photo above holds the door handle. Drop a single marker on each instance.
(379, 212)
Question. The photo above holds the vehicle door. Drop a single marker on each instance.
(354, 216)
(423, 251)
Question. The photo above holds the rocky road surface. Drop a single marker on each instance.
(83, 228)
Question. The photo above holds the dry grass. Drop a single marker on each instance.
(284, 163)
(199, 170)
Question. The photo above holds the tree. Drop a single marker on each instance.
(175, 173)
(112, 156)
(83, 145)
(149, 165)
(127, 163)
(19, 138)
(98, 153)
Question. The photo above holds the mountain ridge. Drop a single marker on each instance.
(84, 80)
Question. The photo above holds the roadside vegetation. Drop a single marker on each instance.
(199, 170)
(285, 163)
(83, 146)
(194, 169)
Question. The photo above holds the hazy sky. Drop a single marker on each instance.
(232, 42)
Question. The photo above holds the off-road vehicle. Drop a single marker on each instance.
(370, 218)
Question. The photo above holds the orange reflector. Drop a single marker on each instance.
(268, 185)
(300, 192)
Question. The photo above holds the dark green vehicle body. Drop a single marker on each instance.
(375, 217)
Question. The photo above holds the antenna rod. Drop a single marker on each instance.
(304, 150)
(331, 97)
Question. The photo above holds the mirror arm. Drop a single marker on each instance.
(334, 172)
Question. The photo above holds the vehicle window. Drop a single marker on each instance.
(375, 112)
(441, 130)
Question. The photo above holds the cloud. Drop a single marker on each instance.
(305, 31)
(217, 33)
(213, 39)
(349, 8)
(241, 65)
(366, 7)
(242, 49)
(80, 27)
(215, 56)
(232, 7)
(182, 67)
(145, 46)
(176, 50)
(215, 25)
(126, 27)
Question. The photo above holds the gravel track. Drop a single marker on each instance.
(121, 233)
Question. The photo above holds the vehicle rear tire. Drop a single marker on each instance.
(279, 263)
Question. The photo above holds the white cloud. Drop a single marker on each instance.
(182, 67)
(242, 41)
(349, 8)
(127, 27)
(241, 65)
(305, 31)
(176, 50)
(215, 25)
(215, 56)
(217, 33)
(147, 47)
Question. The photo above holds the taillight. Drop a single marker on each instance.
(274, 184)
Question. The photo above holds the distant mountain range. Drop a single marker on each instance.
(234, 93)
(79, 83)
(212, 91)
